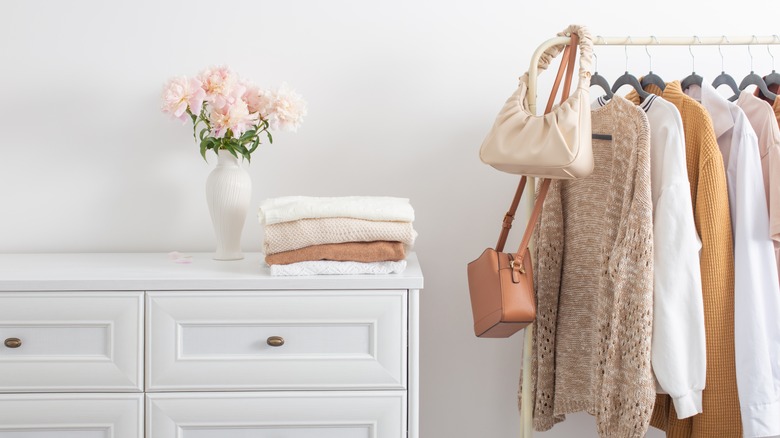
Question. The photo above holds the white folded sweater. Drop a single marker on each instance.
(375, 208)
(329, 267)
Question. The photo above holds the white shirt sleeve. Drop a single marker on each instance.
(678, 345)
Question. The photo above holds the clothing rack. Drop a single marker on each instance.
(526, 415)
(533, 71)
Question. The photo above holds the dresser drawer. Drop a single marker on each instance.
(71, 341)
(71, 416)
(274, 415)
(215, 341)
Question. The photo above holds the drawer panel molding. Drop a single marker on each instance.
(271, 415)
(71, 416)
(222, 341)
(71, 342)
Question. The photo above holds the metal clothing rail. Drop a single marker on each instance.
(526, 414)
(533, 71)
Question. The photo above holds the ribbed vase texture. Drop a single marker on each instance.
(228, 191)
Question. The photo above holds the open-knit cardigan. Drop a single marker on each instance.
(594, 285)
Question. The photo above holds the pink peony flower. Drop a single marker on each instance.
(179, 94)
(221, 85)
(235, 117)
(287, 109)
(257, 99)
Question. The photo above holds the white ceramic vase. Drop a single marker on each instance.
(228, 191)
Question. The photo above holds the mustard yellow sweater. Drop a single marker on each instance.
(720, 402)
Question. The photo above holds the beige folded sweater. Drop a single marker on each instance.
(288, 236)
(367, 252)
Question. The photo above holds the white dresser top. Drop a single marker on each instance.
(156, 271)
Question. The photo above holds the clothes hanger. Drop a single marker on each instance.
(652, 78)
(724, 78)
(629, 79)
(753, 79)
(693, 78)
(774, 77)
(600, 81)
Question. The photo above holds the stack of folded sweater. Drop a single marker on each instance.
(345, 235)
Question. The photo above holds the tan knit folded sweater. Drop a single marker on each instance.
(720, 401)
(594, 285)
(366, 252)
(288, 236)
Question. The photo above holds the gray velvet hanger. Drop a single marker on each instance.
(774, 77)
(600, 81)
(629, 79)
(724, 78)
(652, 78)
(693, 78)
(753, 79)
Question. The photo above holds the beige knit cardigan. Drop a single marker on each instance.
(594, 285)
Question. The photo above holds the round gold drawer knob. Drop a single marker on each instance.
(275, 341)
(13, 342)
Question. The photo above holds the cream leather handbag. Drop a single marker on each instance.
(558, 143)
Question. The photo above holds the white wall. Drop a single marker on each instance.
(400, 95)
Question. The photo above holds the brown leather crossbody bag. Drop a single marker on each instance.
(501, 284)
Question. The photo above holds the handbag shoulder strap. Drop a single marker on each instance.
(534, 218)
(569, 56)
(567, 64)
(510, 215)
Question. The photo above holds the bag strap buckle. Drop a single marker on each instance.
(517, 266)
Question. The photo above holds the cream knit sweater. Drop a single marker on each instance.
(594, 285)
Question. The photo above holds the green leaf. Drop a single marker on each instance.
(203, 149)
(203, 133)
(270, 138)
(248, 134)
(231, 149)
(255, 144)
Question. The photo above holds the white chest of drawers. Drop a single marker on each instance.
(134, 345)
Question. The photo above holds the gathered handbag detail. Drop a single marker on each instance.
(554, 145)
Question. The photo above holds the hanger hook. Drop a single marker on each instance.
(774, 38)
(598, 39)
(693, 58)
(625, 50)
(722, 68)
(750, 52)
(650, 57)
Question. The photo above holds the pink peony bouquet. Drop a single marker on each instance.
(231, 113)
